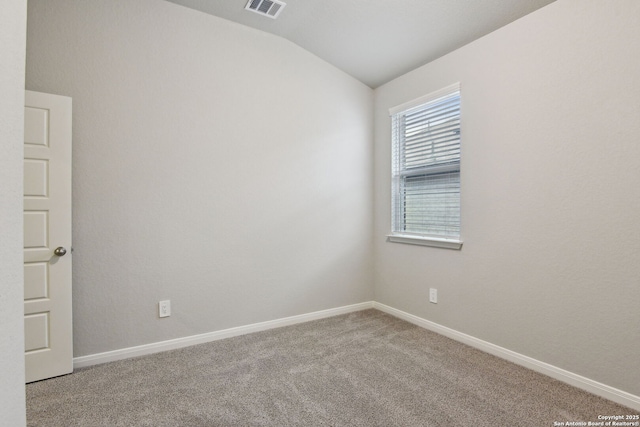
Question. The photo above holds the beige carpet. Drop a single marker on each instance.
(360, 369)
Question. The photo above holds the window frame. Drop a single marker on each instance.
(418, 238)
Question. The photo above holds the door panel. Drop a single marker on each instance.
(36, 179)
(36, 280)
(37, 118)
(37, 332)
(47, 225)
(36, 229)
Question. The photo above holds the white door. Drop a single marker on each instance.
(47, 236)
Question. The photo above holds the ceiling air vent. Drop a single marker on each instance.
(270, 8)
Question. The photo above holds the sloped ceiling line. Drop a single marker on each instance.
(376, 41)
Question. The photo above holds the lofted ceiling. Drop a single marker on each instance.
(376, 41)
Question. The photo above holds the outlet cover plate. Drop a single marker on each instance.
(433, 295)
(164, 308)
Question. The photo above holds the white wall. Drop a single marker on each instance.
(12, 54)
(550, 265)
(220, 167)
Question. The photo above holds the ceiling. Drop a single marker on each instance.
(377, 40)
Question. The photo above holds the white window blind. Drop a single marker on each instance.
(426, 166)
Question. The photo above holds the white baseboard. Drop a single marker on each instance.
(575, 380)
(141, 350)
(586, 384)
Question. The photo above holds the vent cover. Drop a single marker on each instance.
(270, 8)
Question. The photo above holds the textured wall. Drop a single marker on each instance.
(550, 265)
(214, 165)
(12, 52)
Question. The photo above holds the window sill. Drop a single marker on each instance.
(425, 241)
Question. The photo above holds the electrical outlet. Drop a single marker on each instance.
(433, 295)
(164, 308)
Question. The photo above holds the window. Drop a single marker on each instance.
(426, 170)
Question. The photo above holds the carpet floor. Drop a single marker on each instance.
(360, 369)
